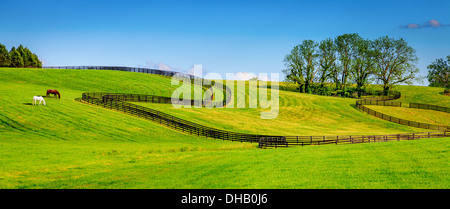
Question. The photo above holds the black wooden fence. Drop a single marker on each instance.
(116, 102)
(360, 105)
(120, 102)
(286, 141)
(193, 79)
(429, 107)
(126, 69)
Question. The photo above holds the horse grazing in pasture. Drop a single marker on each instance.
(38, 99)
(54, 92)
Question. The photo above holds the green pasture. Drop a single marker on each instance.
(298, 114)
(44, 163)
(68, 144)
(421, 94)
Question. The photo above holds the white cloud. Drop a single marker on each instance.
(241, 76)
(196, 70)
(429, 24)
(162, 66)
(247, 76)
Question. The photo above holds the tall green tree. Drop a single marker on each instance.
(16, 58)
(439, 73)
(346, 48)
(364, 63)
(395, 62)
(29, 59)
(327, 58)
(294, 67)
(301, 65)
(24, 53)
(4, 56)
(309, 53)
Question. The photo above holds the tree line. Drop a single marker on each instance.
(349, 60)
(18, 57)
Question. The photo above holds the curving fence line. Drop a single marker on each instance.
(126, 69)
(360, 104)
(429, 107)
(121, 102)
(193, 79)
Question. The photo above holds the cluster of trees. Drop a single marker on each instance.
(350, 59)
(20, 57)
(439, 73)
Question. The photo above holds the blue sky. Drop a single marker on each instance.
(222, 36)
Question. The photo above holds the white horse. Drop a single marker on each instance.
(38, 99)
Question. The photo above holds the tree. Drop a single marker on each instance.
(4, 56)
(20, 57)
(308, 51)
(439, 73)
(36, 60)
(16, 58)
(301, 65)
(395, 62)
(346, 48)
(327, 58)
(24, 53)
(364, 62)
(294, 68)
(29, 59)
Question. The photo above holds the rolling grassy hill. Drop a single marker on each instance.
(299, 114)
(68, 144)
(425, 95)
